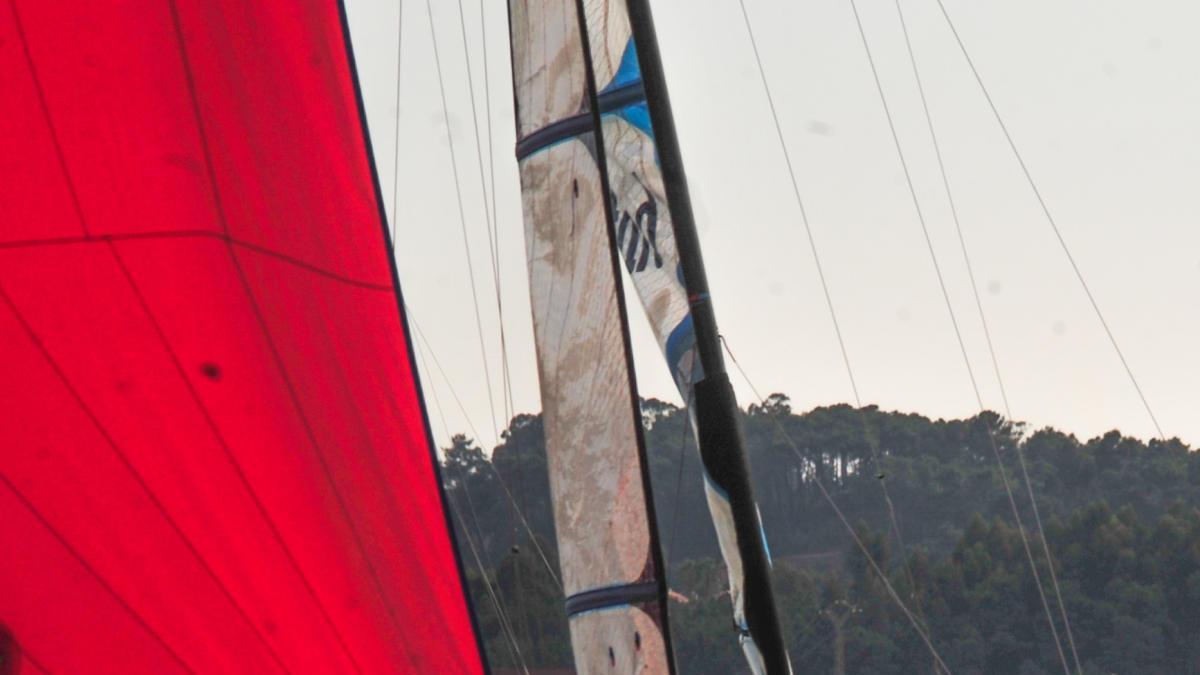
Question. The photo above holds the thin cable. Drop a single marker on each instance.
(679, 484)
(446, 431)
(872, 442)
(471, 503)
(489, 216)
(505, 622)
(437, 404)
(483, 185)
(1037, 193)
(487, 100)
(506, 376)
(396, 141)
(501, 613)
(917, 626)
(987, 333)
(462, 216)
(499, 477)
(957, 331)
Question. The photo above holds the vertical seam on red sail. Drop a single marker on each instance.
(312, 437)
(91, 415)
(188, 77)
(45, 107)
(216, 194)
(381, 211)
(212, 425)
(92, 571)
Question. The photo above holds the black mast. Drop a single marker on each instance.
(722, 448)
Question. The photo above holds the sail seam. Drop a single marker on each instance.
(218, 236)
(277, 356)
(137, 477)
(91, 570)
(234, 462)
(45, 107)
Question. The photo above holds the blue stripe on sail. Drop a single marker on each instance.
(715, 486)
(636, 114)
(628, 70)
(680, 342)
(763, 533)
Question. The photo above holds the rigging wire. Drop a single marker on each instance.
(1037, 193)
(501, 611)
(499, 477)
(488, 216)
(958, 333)
(686, 422)
(462, 216)
(514, 649)
(487, 100)
(869, 436)
(396, 138)
(446, 430)
(962, 242)
(862, 547)
(505, 623)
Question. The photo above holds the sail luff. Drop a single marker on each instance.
(409, 348)
(662, 256)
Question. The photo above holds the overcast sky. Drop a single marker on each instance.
(1102, 97)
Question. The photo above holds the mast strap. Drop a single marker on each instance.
(569, 127)
(612, 596)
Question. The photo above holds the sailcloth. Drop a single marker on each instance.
(608, 549)
(214, 455)
(642, 218)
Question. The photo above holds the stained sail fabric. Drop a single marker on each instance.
(608, 550)
(646, 240)
(214, 456)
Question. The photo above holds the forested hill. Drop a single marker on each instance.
(1121, 519)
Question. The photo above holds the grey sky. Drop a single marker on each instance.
(1102, 97)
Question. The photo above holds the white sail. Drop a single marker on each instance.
(603, 516)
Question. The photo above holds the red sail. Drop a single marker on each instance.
(213, 452)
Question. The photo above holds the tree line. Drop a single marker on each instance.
(1120, 517)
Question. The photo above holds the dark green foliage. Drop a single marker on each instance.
(1121, 518)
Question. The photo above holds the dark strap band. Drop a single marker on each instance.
(612, 596)
(613, 99)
